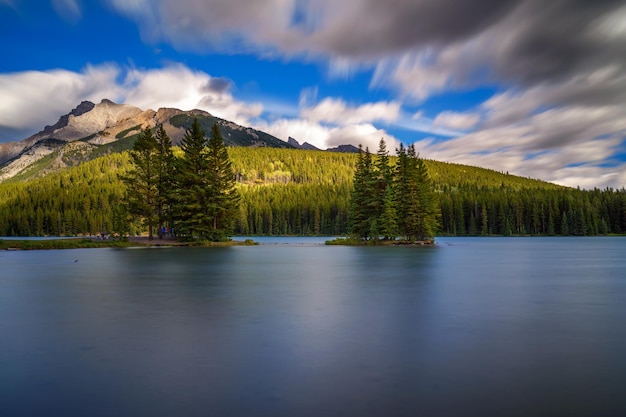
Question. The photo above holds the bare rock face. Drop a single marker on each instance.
(306, 145)
(344, 148)
(82, 108)
(293, 142)
(84, 120)
(103, 115)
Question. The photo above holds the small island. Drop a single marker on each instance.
(391, 205)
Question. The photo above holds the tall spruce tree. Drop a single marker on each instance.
(388, 221)
(402, 190)
(415, 199)
(362, 197)
(207, 200)
(223, 205)
(142, 192)
(382, 184)
(193, 187)
(427, 219)
(166, 180)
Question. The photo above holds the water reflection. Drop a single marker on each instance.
(477, 327)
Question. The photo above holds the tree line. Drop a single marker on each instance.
(298, 192)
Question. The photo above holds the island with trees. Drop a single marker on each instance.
(391, 204)
(192, 196)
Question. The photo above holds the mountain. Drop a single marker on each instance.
(306, 145)
(91, 130)
(344, 148)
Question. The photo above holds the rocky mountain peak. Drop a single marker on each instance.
(82, 108)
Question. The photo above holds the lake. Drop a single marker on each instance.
(471, 327)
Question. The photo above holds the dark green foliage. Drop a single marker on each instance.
(192, 185)
(364, 198)
(224, 199)
(206, 199)
(297, 192)
(76, 201)
(393, 203)
(166, 181)
(142, 181)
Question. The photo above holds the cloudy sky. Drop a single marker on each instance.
(533, 87)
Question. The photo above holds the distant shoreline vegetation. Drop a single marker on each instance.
(290, 192)
(92, 243)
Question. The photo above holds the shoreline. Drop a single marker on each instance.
(93, 242)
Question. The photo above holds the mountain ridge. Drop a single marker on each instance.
(107, 122)
(113, 126)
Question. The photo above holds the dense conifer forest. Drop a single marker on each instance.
(299, 192)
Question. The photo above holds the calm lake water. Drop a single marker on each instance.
(471, 327)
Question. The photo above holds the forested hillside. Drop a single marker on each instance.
(287, 191)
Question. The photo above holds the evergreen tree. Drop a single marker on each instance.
(223, 204)
(363, 193)
(193, 188)
(427, 220)
(415, 200)
(142, 181)
(379, 183)
(388, 223)
(166, 180)
(206, 200)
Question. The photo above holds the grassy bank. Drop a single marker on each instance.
(62, 244)
(94, 243)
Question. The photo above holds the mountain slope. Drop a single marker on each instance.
(289, 191)
(109, 127)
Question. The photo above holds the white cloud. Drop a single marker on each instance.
(33, 99)
(336, 111)
(180, 87)
(556, 145)
(325, 137)
(458, 121)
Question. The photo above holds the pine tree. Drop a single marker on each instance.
(388, 223)
(166, 179)
(426, 200)
(363, 193)
(142, 181)
(193, 187)
(402, 191)
(415, 200)
(223, 205)
(382, 184)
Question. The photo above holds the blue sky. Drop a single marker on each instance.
(525, 86)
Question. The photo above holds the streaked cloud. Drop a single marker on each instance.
(336, 111)
(323, 136)
(455, 120)
(557, 69)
